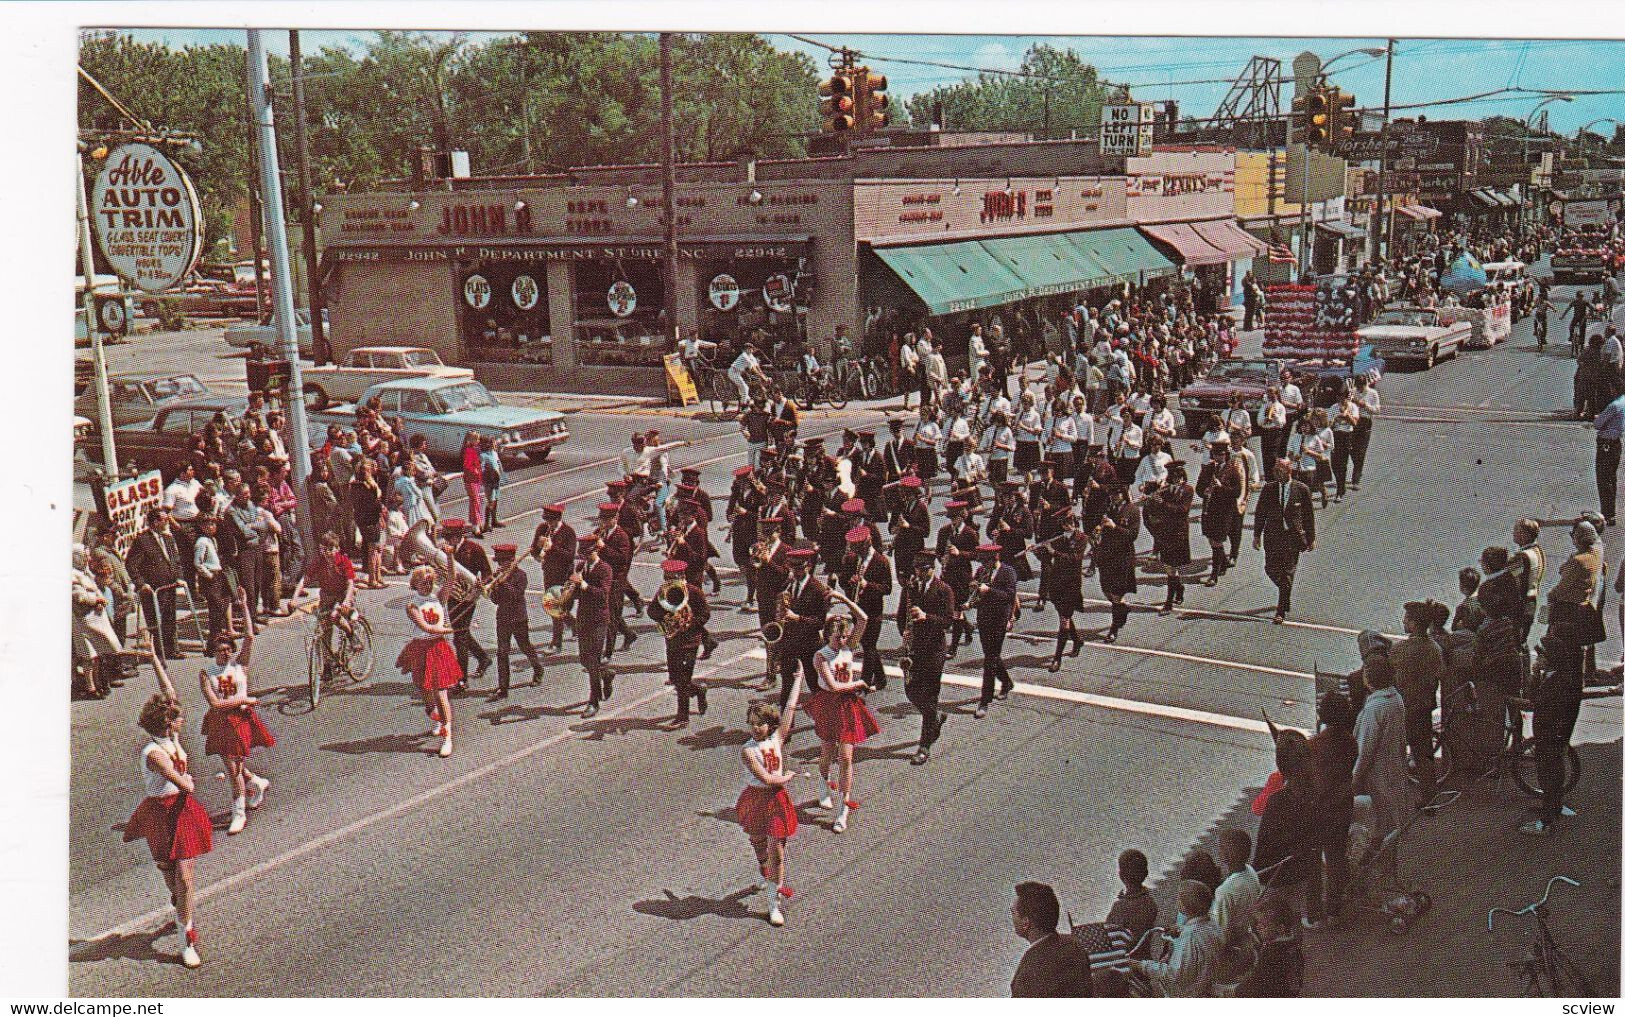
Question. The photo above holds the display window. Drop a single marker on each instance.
(502, 307)
(620, 314)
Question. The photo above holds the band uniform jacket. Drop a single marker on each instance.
(154, 559)
(509, 597)
(993, 608)
(1221, 485)
(560, 557)
(771, 579)
(956, 571)
(472, 557)
(869, 477)
(616, 551)
(877, 583)
(1288, 531)
(812, 604)
(1167, 515)
(937, 600)
(693, 547)
(1098, 489)
(1055, 967)
(592, 601)
(913, 526)
(1114, 553)
(700, 615)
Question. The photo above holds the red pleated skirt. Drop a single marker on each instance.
(431, 663)
(841, 717)
(766, 812)
(176, 827)
(235, 732)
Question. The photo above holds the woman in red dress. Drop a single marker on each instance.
(764, 807)
(429, 658)
(840, 716)
(170, 818)
(232, 728)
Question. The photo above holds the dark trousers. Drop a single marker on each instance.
(1553, 727)
(1271, 443)
(509, 633)
(590, 634)
(874, 669)
(463, 641)
(1119, 615)
(1329, 873)
(249, 560)
(1281, 568)
(997, 471)
(159, 608)
(992, 639)
(1342, 448)
(923, 686)
(617, 620)
(218, 597)
(680, 666)
(1419, 737)
(1238, 524)
(186, 544)
(950, 457)
(1358, 446)
(789, 661)
(1607, 475)
(1249, 317)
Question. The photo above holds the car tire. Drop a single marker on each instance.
(538, 458)
(1433, 355)
(316, 397)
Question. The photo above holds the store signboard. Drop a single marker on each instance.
(146, 217)
(1126, 128)
(477, 291)
(124, 505)
(970, 207)
(526, 292)
(723, 292)
(778, 292)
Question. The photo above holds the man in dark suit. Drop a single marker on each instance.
(913, 524)
(867, 578)
(927, 608)
(472, 557)
(803, 623)
(1284, 525)
(956, 549)
(594, 580)
(1055, 966)
(995, 590)
(555, 544)
(513, 618)
(616, 549)
(154, 562)
(683, 645)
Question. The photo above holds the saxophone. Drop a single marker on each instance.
(905, 658)
(773, 631)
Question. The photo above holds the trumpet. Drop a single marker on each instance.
(498, 577)
(905, 659)
(983, 574)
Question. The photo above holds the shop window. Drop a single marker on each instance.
(504, 313)
(733, 307)
(620, 314)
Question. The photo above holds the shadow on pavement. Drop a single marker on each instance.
(136, 946)
(682, 909)
(402, 744)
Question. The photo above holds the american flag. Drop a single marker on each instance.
(1105, 944)
(1280, 254)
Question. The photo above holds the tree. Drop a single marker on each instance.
(1053, 93)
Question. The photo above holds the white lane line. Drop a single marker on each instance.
(405, 805)
(1124, 705)
(1199, 612)
(554, 474)
(1211, 661)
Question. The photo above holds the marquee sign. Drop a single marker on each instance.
(147, 218)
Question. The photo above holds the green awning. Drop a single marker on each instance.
(973, 274)
(949, 278)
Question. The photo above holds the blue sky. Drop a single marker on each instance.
(1424, 69)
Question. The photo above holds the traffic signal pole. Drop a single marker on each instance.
(1380, 224)
(307, 207)
(668, 182)
(87, 257)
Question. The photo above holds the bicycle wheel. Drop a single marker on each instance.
(722, 389)
(1526, 771)
(1444, 761)
(835, 394)
(1565, 977)
(357, 658)
(315, 661)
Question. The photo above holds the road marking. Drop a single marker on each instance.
(1198, 612)
(1210, 661)
(405, 805)
(1123, 705)
(664, 447)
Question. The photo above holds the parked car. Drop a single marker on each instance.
(443, 410)
(136, 397)
(365, 366)
(164, 442)
(1203, 400)
(1419, 334)
(270, 335)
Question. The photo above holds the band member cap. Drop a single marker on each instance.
(674, 566)
(505, 550)
(454, 525)
(987, 549)
(957, 505)
(911, 483)
(588, 543)
(853, 506)
(770, 521)
(800, 553)
(609, 508)
(744, 471)
(553, 511)
(858, 535)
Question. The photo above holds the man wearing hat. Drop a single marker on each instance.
(691, 545)
(1114, 557)
(927, 609)
(832, 527)
(1009, 525)
(615, 548)
(1167, 513)
(1222, 483)
(744, 499)
(892, 464)
(869, 473)
(803, 623)
(683, 644)
(995, 590)
(913, 525)
(771, 565)
(866, 576)
(555, 545)
(460, 610)
(956, 549)
(1284, 526)
(513, 618)
(594, 580)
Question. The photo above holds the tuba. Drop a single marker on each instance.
(673, 599)
(418, 548)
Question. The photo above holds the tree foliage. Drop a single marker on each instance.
(1059, 78)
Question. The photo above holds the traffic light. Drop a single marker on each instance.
(1343, 118)
(839, 103)
(871, 112)
(1312, 115)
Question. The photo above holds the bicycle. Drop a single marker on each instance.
(332, 653)
(1460, 736)
(809, 391)
(1545, 968)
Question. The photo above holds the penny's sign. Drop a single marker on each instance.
(146, 217)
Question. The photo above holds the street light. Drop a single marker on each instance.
(1579, 136)
(1370, 51)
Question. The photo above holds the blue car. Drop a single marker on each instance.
(443, 410)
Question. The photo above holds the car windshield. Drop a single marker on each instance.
(469, 396)
(1241, 372)
(421, 358)
(1423, 318)
(182, 386)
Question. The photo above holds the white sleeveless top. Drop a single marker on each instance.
(840, 665)
(157, 785)
(226, 682)
(770, 753)
(433, 612)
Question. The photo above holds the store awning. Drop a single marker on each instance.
(1485, 199)
(1421, 212)
(1339, 228)
(1513, 199)
(1229, 238)
(1501, 198)
(949, 278)
(1186, 243)
(972, 274)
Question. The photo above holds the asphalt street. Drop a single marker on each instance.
(553, 855)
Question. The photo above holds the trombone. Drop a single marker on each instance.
(419, 548)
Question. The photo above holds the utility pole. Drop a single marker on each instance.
(104, 403)
(1381, 222)
(307, 206)
(668, 182)
(254, 206)
(259, 90)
